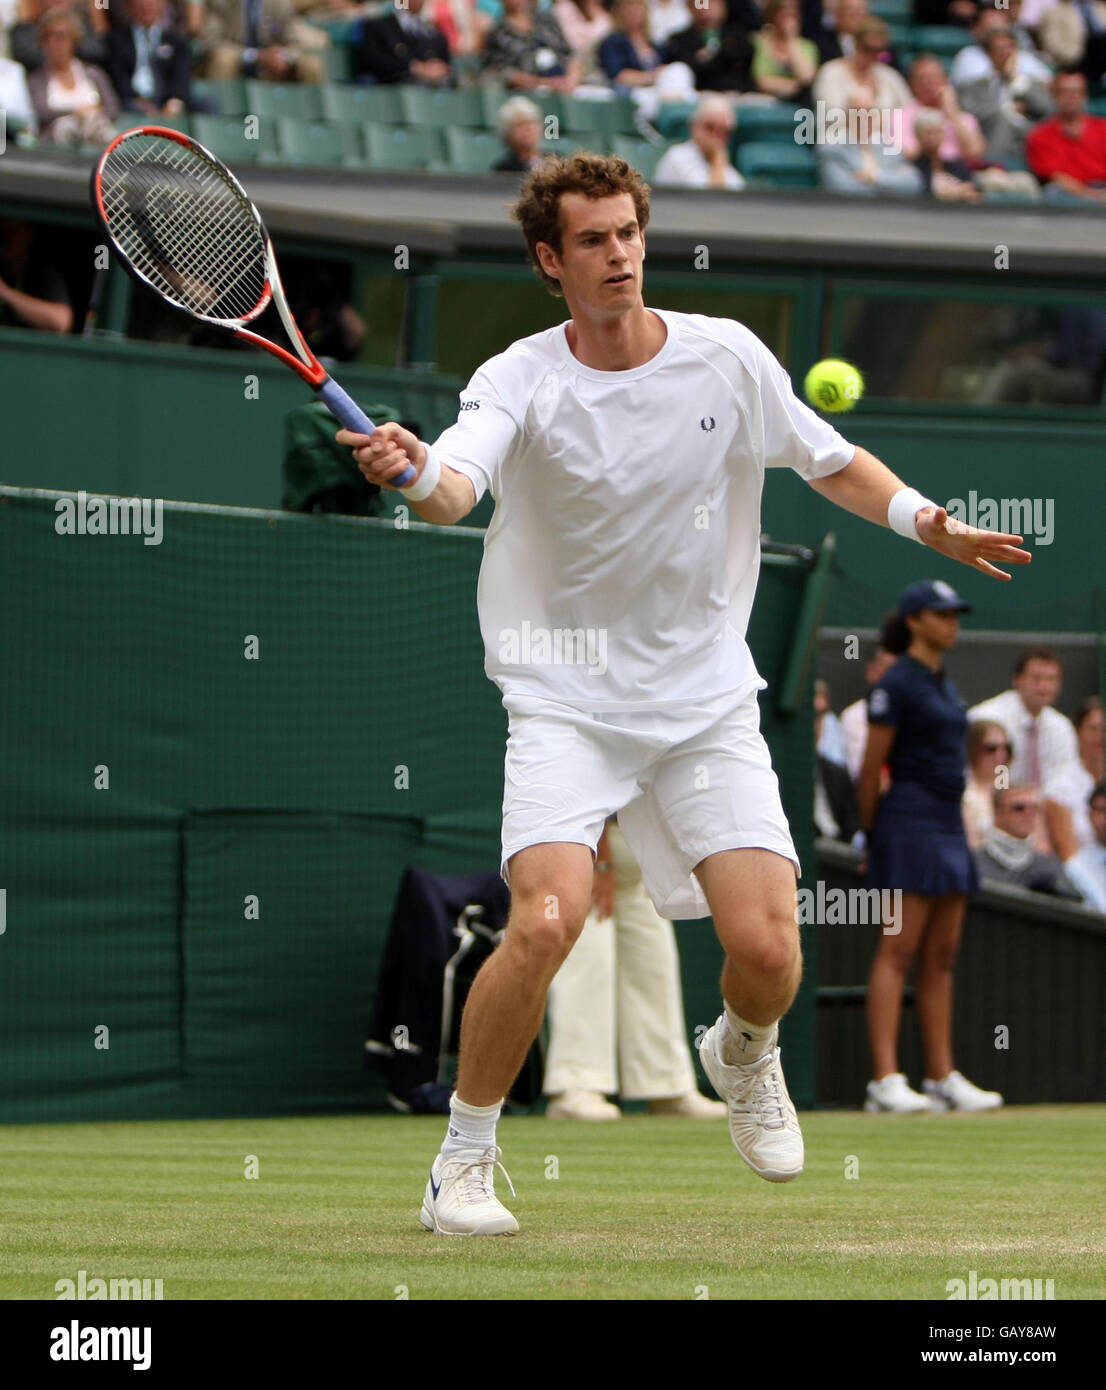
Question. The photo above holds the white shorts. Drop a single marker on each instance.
(685, 783)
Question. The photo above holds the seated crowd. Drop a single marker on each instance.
(1034, 802)
(1005, 115)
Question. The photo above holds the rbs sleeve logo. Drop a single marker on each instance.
(470, 405)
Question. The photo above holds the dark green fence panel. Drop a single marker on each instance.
(219, 753)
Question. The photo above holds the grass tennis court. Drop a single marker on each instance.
(642, 1209)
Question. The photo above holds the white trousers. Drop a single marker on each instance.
(615, 1009)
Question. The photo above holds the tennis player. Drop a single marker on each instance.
(625, 450)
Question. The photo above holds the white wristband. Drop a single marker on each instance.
(427, 480)
(904, 507)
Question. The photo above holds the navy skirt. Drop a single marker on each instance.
(918, 844)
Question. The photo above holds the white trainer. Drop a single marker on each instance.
(956, 1092)
(763, 1124)
(460, 1196)
(581, 1105)
(891, 1095)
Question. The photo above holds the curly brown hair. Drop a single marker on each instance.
(538, 210)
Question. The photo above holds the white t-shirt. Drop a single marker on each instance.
(622, 558)
(686, 166)
(15, 99)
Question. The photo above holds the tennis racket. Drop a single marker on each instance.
(182, 225)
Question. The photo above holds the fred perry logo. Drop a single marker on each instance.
(707, 423)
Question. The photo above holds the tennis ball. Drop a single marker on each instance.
(833, 385)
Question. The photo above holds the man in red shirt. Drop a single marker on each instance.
(1068, 151)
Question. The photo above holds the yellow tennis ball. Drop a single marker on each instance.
(833, 385)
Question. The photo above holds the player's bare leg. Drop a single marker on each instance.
(751, 893)
(551, 887)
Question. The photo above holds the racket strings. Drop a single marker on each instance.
(187, 230)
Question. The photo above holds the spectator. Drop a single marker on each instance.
(33, 293)
(862, 80)
(962, 138)
(1046, 753)
(15, 97)
(1068, 151)
(704, 160)
(1073, 34)
(838, 34)
(949, 180)
(1066, 367)
(9, 12)
(1008, 854)
(519, 124)
(257, 38)
(835, 814)
(945, 11)
(784, 64)
(854, 717)
(149, 63)
(74, 102)
(1074, 788)
(26, 45)
(989, 750)
(462, 23)
(1005, 101)
(615, 1008)
(973, 62)
(718, 51)
(585, 24)
(667, 17)
(916, 845)
(866, 166)
(1087, 868)
(404, 45)
(831, 741)
(633, 63)
(528, 49)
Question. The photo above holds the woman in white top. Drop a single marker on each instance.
(74, 102)
(989, 748)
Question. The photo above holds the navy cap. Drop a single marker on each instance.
(933, 594)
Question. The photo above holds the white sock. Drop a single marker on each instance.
(470, 1126)
(744, 1042)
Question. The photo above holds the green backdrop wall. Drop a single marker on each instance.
(156, 781)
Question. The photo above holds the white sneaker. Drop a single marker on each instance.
(692, 1106)
(956, 1092)
(763, 1125)
(581, 1105)
(891, 1095)
(460, 1196)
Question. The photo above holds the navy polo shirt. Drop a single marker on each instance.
(931, 724)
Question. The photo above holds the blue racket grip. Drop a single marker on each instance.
(344, 408)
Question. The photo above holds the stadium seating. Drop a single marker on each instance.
(440, 108)
(227, 137)
(300, 99)
(319, 142)
(892, 10)
(396, 147)
(226, 98)
(775, 123)
(945, 40)
(609, 118)
(359, 104)
(642, 154)
(785, 166)
(471, 151)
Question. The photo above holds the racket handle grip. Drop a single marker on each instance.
(345, 409)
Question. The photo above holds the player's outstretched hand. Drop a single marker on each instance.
(969, 544)
(385, 454)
